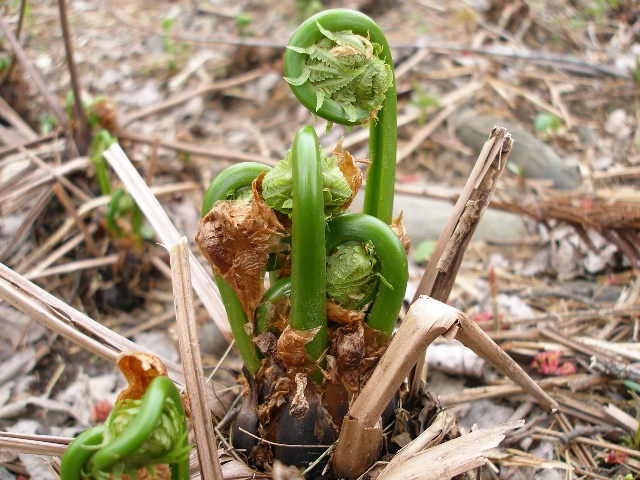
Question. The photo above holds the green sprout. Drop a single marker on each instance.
(547, 124)
(121, 205)
(424, 101)
(242, 21)
(102, 140)
(169, 45)
(306, 8)
(47, 123)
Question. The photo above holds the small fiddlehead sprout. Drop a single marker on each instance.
(351, 275)
(339, 66)
(378, 237)
(139, 433)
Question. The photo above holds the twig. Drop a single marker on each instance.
(443, 266)
(564, 62)
(426, 320)
(164, 228)
(11, 116)
(185, 96)
(25, 227)
(67, 203)
(21, 17)
(204, 151)
(34, 74)
(37, 447)
(451, 458)
(202, 419)
(66, 320)
(278, 444)
(76, 266)
(82, 124)
(29, 143)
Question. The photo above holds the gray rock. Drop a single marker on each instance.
(485, 413)
(424, 219)
(534, 158)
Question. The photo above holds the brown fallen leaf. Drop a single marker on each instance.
(350, 170)
(338, 314)
(236, 237)
(291, 346)
(139, 369)
(397, 225)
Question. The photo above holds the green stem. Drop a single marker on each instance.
(382, 131)
(308, 258)
(393, 263)
(79, 451)
(160, 389)
(101, 141)
(237, 320)
(114, 211)
(224, 187)
(226, 183)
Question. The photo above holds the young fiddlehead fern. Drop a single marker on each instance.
(138, 433)
(308, 258)
(389, 252)
(378, 275)
(339, 66)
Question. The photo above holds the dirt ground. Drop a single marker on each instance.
(196, 86)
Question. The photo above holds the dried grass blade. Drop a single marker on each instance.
(201, 417)
(450, 458)
(66, 320)
(164, 228)
(25, 445)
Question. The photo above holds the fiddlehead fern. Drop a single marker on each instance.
(333, 65)
(308, 259)
(139, 433)
(389, 252)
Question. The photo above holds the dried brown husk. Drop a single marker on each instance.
(338, 314)
(139, 369)
(397, 225)
(351, 172)
(356, 349)
(236, 237)
(291, 350)
(299, 403)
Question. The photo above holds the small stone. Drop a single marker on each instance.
(616, 124)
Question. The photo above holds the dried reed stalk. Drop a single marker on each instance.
(12, 442)
(65, 320)
(195, 382)
(164, 228)
(358, 446)
(445, 261)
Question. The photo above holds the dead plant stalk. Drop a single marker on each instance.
(201, 417)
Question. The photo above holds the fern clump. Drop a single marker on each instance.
(346, 68)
